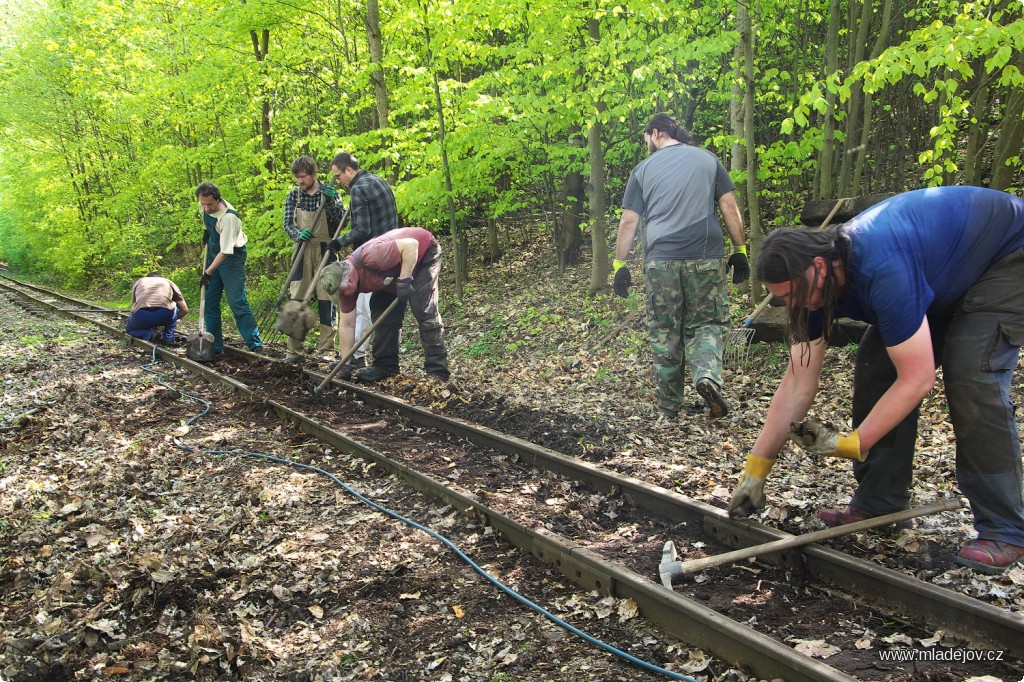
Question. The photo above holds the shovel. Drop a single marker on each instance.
(297, 318)
(355, 346)
(199, 345)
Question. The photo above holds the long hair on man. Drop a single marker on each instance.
(786, 253)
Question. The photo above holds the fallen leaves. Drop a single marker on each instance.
(816, 648)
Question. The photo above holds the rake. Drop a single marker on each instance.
(737, 348)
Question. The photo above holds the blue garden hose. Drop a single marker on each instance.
(395, 515)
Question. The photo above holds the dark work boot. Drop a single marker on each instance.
(374, 373)
(717, 406)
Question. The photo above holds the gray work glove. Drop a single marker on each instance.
(821, 439)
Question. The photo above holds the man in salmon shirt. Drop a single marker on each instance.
(403, 263)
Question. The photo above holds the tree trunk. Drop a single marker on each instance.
(493, 248)
(570, 219)
(854, 112)
(746, 30)
(596, 188)
(380, 88)
(378, 79)
(458, 234)
(882, 37)
(977, 135)
(825, 159)
(1008, 141)
(261, 47)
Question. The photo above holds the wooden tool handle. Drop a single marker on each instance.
(697, 565)
(355, 346)
(308, 296)
(758, 310)
(202, 293)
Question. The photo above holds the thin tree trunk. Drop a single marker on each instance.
(261, 47)
(1008, 141)
(377, 77)
(977, 135)
(458, 236)
(882, 37)
(596, 187)
(570, 218)
(493, 248)
(825, 159)
(746, 30)
(854, 112)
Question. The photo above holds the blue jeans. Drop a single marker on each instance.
(978, 347)
(146, 324)
(229, 280)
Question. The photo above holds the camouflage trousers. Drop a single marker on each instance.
(687, 318)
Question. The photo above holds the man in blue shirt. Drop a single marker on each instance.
(937, 273)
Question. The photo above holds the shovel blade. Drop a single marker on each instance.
(199, 347)
(295, 320)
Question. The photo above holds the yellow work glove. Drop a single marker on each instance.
(748, 496)
(821, 439)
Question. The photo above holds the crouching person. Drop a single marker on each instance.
(157, 305)
(402, 263)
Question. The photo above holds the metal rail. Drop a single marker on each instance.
(969, 619)
(690, 621)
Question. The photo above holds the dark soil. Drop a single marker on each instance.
(137, 546)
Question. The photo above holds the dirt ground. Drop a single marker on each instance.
(137, 545)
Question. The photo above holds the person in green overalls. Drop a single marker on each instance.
(224, 271)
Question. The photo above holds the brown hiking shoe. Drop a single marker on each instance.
(841, 517)
(713, 397)
(850, 514)
(989, 556)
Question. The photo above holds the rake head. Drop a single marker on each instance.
(737, 345)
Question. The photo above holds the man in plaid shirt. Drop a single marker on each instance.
(300, 208)
(374, 212)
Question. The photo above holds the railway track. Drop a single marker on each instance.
(493, 476)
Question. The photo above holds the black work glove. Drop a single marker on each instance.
(338, 243)
(206, 237)
(622, 282)
(403, 289)
(740, 267)
(204, 280)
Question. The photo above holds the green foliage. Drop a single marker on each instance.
(942, 59)
(114, 110)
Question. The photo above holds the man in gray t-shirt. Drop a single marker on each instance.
(678, 191)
